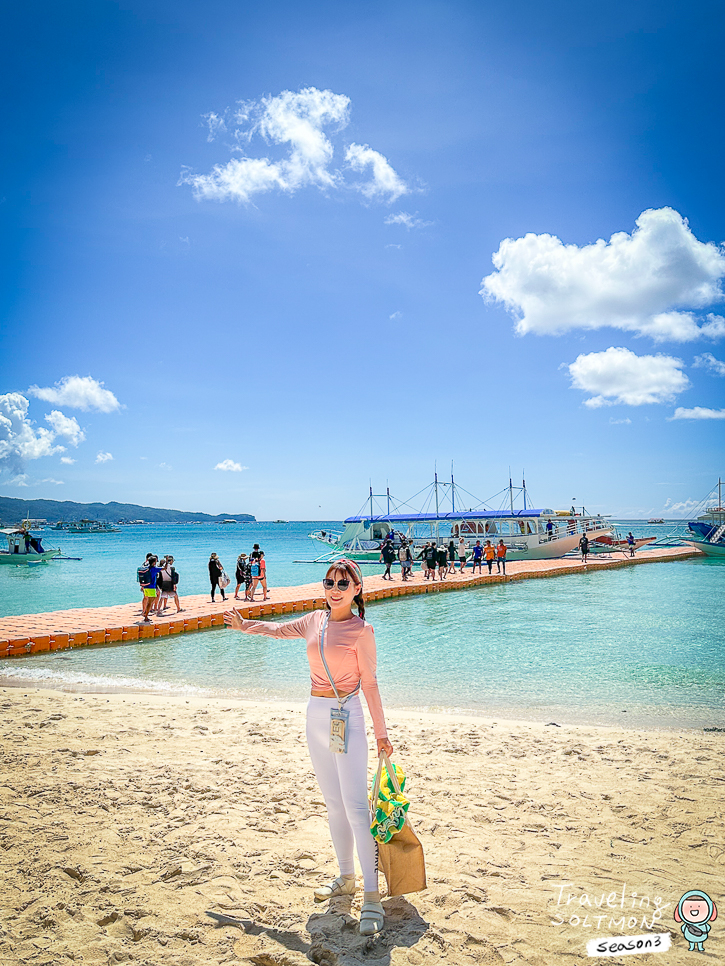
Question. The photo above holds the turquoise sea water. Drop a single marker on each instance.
(636, 646)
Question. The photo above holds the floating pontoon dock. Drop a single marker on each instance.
(93, 626)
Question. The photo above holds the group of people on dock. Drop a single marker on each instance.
(441, 559)
(251, 570)
(159, 581)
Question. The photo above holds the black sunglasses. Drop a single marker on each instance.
(328, 583)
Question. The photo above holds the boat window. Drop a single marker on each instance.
(491, 527)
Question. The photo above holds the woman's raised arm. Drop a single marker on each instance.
(296, 628)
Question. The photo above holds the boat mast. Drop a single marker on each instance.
(371, 504)
(388, 490)
(719, 493)
(523, 483)
(436, 489)
(453, 491)
(511, 493)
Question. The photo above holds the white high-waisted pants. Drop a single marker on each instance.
(343, 780)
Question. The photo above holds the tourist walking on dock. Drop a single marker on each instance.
(423, 557)
(442, 562)
(584, 547)
(168, 581)
(406, 560)
(387, 556)
(451, 557)
(501, 556)
(342, 656)
(431, 560)
(462, 553)
(630, 543)
(148, 579)
(489, 552)
(215, 571)
(478, 557)
(239, 573)
(258, 573)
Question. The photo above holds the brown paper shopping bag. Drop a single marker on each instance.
(401, 859)
(402, 862)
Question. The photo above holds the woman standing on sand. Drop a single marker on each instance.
(345, 644)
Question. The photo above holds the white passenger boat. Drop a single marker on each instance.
(708, 531)
(528, 533)
(24, 548)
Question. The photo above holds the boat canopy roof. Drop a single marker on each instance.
(458, 515)
(11, 531)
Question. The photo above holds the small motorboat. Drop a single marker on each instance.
(24, 548)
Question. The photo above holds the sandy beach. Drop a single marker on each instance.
(124, 817)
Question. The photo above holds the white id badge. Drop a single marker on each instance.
(338, 730)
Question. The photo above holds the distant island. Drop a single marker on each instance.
(14, 511)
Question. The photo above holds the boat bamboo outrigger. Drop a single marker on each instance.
(528, 533)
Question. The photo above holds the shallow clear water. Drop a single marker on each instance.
(636, 646)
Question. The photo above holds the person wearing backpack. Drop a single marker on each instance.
(406, 560)
(168, 580)
(148, 579)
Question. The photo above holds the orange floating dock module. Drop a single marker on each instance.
(93, 626)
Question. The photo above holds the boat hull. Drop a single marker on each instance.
(547, 550)
(711, 549)
(18, 559)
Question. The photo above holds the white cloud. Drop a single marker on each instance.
(103, 457)
(708, 361)
(229, 466)
(19, 440)
(650, 282)
(66, 426)
(385, 183)
(682, 508)
(698, 412)
(620, 422)
(407, 220)
(299, 121)
(396, 315)
(55, 482)
(714, 328)
(78, 392)
(67, 460)
(216, 124)
(619, 376)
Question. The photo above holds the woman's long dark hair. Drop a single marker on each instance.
(351, 570)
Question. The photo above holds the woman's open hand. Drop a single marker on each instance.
(384, 745)
(232, 618)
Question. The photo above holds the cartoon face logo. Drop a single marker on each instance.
(695, 911)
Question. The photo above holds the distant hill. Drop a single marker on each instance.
(14, 511)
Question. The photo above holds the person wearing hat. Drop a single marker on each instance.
(241, 573)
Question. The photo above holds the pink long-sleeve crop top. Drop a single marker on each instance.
(349, 652)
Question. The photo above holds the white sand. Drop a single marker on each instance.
(124, 817)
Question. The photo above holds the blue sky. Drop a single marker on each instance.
(244, 244)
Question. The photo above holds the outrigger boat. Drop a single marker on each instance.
(529, 533)
(613, 543)
(709, 529)
(24, 548)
